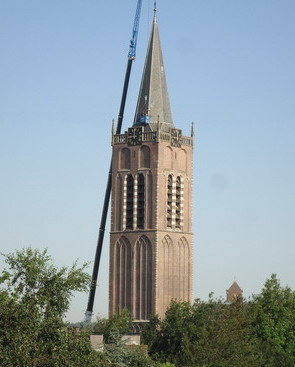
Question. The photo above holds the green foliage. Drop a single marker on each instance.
(228, 341)
(260, 333)
(150, 332)
(120, 355)
(34, 296)
(274, 323)
(115, 351)
(33, 280)
(113, 327)
(204, 334)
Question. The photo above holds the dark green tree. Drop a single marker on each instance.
(150, 332)
(211, 334)
(228, 341)
(274, 323)
(34, 297)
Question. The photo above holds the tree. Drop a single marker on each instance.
(169, 335)
(115, 351)
(34, 297)
(229, 340)
(113, 327)
(274, 323)
(259, 333)
(122, 356)
(211, 334)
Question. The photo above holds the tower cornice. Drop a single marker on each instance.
(153, 136)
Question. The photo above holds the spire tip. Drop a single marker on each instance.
(155, 10)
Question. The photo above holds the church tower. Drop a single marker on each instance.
(151, 240)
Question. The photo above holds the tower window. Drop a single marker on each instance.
(143, 271)
(129, 204)
(145, 159)
(122, 275)
(169, 201)
(140, 201)
(178, 200)
(125, 158)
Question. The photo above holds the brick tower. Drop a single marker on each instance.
(151, 240)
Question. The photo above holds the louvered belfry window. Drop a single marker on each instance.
(130, 200)
(177, 203)
(140, 201)
(169, 201)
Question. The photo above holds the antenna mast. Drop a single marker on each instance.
(131, 57)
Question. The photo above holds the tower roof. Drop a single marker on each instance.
(153, 104)
(235, 288)
(233, 292)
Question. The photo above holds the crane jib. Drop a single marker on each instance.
(131, 57)
(133, 41)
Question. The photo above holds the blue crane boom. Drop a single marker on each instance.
(133, 41)
(131, 57)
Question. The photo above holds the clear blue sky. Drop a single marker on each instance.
(230, 69)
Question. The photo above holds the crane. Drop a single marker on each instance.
(131, 57)
(133, 41)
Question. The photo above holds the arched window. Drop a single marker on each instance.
(130, 200)
(140, 201)
(168, 158)
(145, 157)
(122, 275)
(184, 271)
(168, 271)
(143, 270)
(118, 204)
(169, 201)
(125, 158)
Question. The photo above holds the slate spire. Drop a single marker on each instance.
(153, 106)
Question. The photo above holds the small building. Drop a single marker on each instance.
(96, 340)
(129, 340)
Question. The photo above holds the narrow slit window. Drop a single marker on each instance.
(140, 202)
